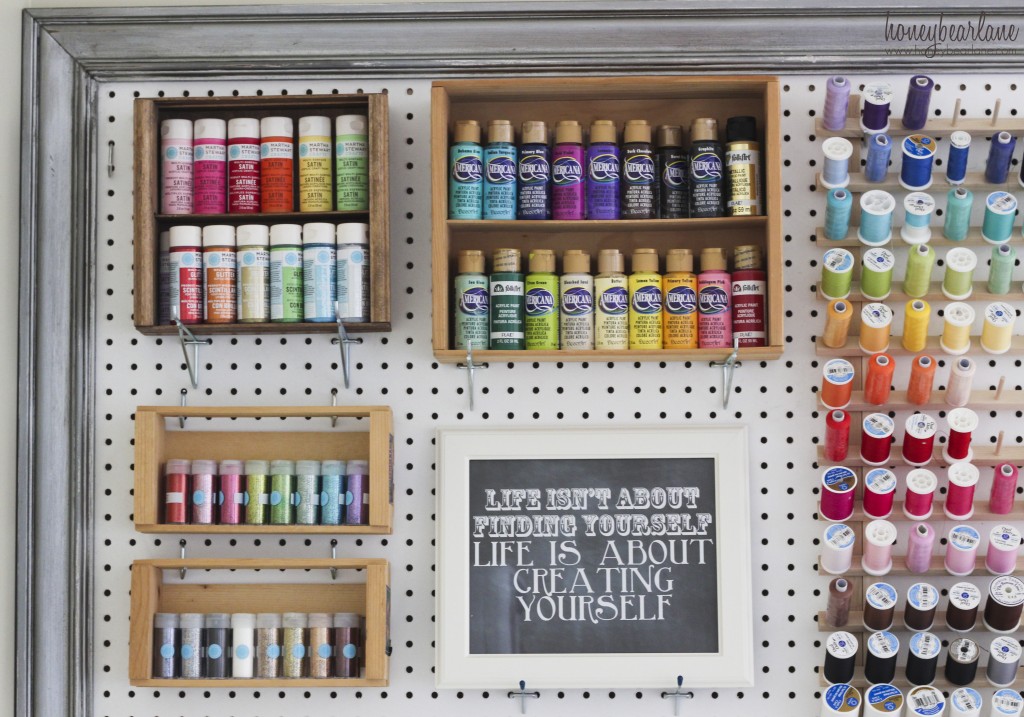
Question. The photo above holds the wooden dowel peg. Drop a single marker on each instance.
(999, 444)
(995, 111)
(999, 387)
(956, 112)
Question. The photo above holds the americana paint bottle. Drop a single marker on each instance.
(638, 172)
(186, 273)
(611, 294)
(211, 166)
(567, 190)
(286, 303)
(576, 297)
(472, 301)
(679, 286)
(315, 164)
(466, 172)
(645, 301)
(277, 165)
(533, 198)
(243, 165)
(542, 302)
(500, 171)
(506, 282)
(176, 168)
(742, 168)
(603, 171)
(673, 174)
(253, 271)
(220, 301)
(351, 168)
(705, 169)
(714, 301)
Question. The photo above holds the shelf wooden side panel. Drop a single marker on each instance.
(984, 455)
(146, 183)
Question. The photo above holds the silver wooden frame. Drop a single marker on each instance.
(69, 53)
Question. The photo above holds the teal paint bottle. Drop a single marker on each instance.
(508, 328)
(466, 172)
(500, 171)
(472, 301)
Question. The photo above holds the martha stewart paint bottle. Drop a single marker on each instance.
(714, 292)
(211, 166)
(220, 302)
(186, 273)
(351, 168)
(638, 172)
(277, 164)
(567, 196)
(576, 296)
(243, 165)
(611, 324)
(315, 164)
(679, 287)
(319, 288)
(507, 301)
(645, 301)
(500, 171)
(253, 269)
(603, 170)
(176, 166)
(534, 190)
(286, 273)
(472, 316)
(466, 175)
(542, 302)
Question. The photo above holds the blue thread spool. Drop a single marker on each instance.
(876, 207)
(918, 208)
(915, 112)
(838, 206)
(836, 172)
(918, 153)
(999, 155)
(879, 151)
(1000, 209)
(958, 214)
(956, 164)
(877, 98)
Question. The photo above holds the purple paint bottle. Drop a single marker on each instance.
(567, 198)
(603, 167)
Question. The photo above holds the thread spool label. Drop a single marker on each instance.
(964, 596)
(1001, 203)
(925, 701)
(919, 204)
(842, 698)
(880, 481)
(965, 700)
(885, 698)
(925, 645)
(918, 145)
(839, 261)
(840, 536)
(960, 139)
(877, 93)
(964, 650)
(922, 596)
(880, 260)
(1007, 702)
(841, 645)
(883, 644)
(1007, 590)
(878, 425)
(876, 316)
(1005, 649)
(1004, 537)
(881, 596)
(1000, 314)
(839, 479)
(921, 426)
(838, 372)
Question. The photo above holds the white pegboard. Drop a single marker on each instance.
(775, 399)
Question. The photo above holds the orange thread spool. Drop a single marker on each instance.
(922, 378)
(837, 323)
(875, 325)
(878, 383)
(837, 383)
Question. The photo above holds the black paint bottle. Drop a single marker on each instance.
(638, 172)
(705, 169)
(673, 174)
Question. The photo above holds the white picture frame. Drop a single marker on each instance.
(731, 666)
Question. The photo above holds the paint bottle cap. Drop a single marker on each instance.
(177, 465)
(321, 620)
(268, 621)
(243, 127)
(747, 256)
(282, 468)
(356, 124)
(252, 235)
(500, 131)
(307, 468)
(211, 128)
(679, 260)
(534, 132)
(318, 233)
(670, 135)
(294, 619)
(637, 130)
(315, 126)
(568, 132)
(465, 131)
(191, 621)
(346, 619)
(243, 621)
(506, 260)
(218, 620)
(603, 131)
(610, 261)
(229, 468)
(712, 259)
(575, 261)
(332, 468)
(542, 261)
(218, 235)
(471, 261)
(203, 466)
(703, 129)
(285, 235)
(256, 468)
(353, 233)
(186, 236)
(741, 129)
(276, 127)
(176, 129)
(165, 620)
(358, 468)
(645, 260)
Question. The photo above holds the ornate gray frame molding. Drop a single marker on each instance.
(69, 53)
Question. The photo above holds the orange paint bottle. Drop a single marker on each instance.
(277, 165)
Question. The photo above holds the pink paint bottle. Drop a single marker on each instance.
(211, 166)
(176, 166)
(243, 166)
(714, 301)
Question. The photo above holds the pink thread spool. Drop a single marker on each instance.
(963, 477)
(919, 440)
(1003, 547)
(837, 492)
(962, 550)
(920, 547)
(879, 536)
(1004, 488)
(879, 491)
(962, 423)
(921, 485)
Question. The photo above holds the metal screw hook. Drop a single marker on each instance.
(187, 339)
(334, 556)
(344, 342)
(521, 695)
(727, 367)
(184, 402)
(677, 694)
(471, 368)
(183, 571)
(110, 158)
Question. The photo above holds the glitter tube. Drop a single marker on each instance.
(347, 645)
(1000, 274)
(915, 325)
(231, 497)
(922, 661)
(321, 649)
(1003, 547)
(962, 423)
(176, 483)
(922, 378)
(918, 155)
(958, 387)
(836, 274)
(878, 383)
(962, 550)
(203, 495)
(282, 490)
(920, 545)
(307, 492)
(837, 610)
(880, 601)
(997, 331)
(921, 485)
(962, 607)
(919, 96)
(918, 208)
(838, 205)
(1004, 488)
(166, 646)
(957, 280)
(838, 484)
(837, 436)
(1003, 661)
(876, 439)
(268, 646)
(837, 100)
(331, 492)
(257, 492)
(1000, 210)
(956, 329)
(192, 645)
(879, 536)
(837, 324)
(217, 628)
(294, 639)
(921, 606)
(877, 97)
(879, 491)
(840, 655)
(876, 208)
(1003, 605)
(879, 152)
(836, 384)
(962, 661)
(963, 478)
(918, 277)
(1000, 152)
(243, 644)
(880, 660)
(919, 439)
(956, 162)
(837, 549)
(836, 170)
(876, 273)
(357, 497)
(957, 223)
(875, 328)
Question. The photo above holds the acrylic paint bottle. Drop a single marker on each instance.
(315, 193)
(749, 289)
(472, 301)
(351, 169)
(611, 294)
(286, 273)
(253, 268)
(542, 302)
(742, 168)
(500, 171)
(576, 296)
(603, 171)
(705, 169)
(679, 286)
(219, 290)
(211, 166)
(176, 157)
(353, 272)
(567, 190)
(466, 172)
(714, 301)
(673, 174)
(277, 165)
(243, 165)
(645, 301)
(319, 267)
(533, 198)
(186, 274)
(508, 331)
(638, 172)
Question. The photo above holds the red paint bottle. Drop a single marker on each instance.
(243, 166)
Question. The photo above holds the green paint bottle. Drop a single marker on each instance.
(471, 301)
(507, 302)
(542, 302)
(351, 171)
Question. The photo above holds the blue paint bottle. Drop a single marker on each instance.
(603, 169)
(534, 200)
(500, 171)
(466, 172)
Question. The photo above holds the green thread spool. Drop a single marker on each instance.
(958, 214)
(836, 274)
(957, 281)
(918, 278)
(876, 273)
(1000, 210)
(1000, 275)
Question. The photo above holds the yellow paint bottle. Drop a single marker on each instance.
(645, 301)
(679, 288)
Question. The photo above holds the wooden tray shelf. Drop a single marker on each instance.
(984, 455)
(856, 623)
(941, 683)
(980, 293)
(937, 568)
(981, 513)
(981, 400)
(938, 240)
(973, 180)
(896, 348)
(935, 126)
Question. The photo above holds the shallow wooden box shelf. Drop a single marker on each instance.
(660, 100)
(158, 439)
(149, 222)
(153, 592)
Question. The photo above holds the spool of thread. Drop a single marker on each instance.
(837, 324)
(879, 491)
(965, 702)
(880, 661)
(956, 163)
(837, 549)
(1003, 547)
(1004, 488)
(1000, 210)
(963, 477)
(837, 436)
(962, 550)
(840, 700)
(963, 422)
(1006, 703)
(957, 281)
(837, 611)
(876, 439)
(915, 326)
(838, 206)
(880, 601)
(877, 97)
(956, 328)
(876, 208)
(837, 101)
(879, 537)
(836, 171)
(883, 700)
(836, 274)
(919, 439)
(922, 378)
(836, 383)
(876, 273)
(959, 202)
(925, 701)
(958, 387)
(923, 659)
(840, 654)
(922, 604)
(962, 607)
(918, 277)
(919, 96)
(916, 170)
(879, 380)
(921, 485)
(1003, 606)
(837, 491)
(997, 331)
(1000, 152)
(962, 661)
(918, 208)
(1003, 661)
(919, 548)
(1000, 273)
(875, 328)
(879, 152)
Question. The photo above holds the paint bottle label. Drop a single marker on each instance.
(673, 189)
(541, 309)
(277, 156)
(471, 311)
(567, 198)
(286, 283)
(351, 173)
(645, 311)
(706, 179)
(253, 284)
(243, 175)
(211, 167)
(603, 168)
(714, 320)
(219, 270)
(176, 176)
(353, 282)
(742, 166)
(680, 316)
(748, 303)
(638, 175)
(465, 181)
(315, 174)
(164, 282)
(507, 311)
(500, 181)
(534, 195)
(318, 282)
(577, 306)
(186, 285)
(611, 330)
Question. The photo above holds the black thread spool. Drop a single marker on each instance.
(962, 607)
(880, 662)
(962, 661)
(840, 656)
(923, 658)
(922, 603)
(879, 606)
(1004, 604)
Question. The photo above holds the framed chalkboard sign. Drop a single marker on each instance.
(593, 558)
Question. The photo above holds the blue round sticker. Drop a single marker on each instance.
(198, 497)
(167, 651)
(275, 497)
(349, 497)
(214, 651)
(357, 257)
(298, 651)
(349, 651)
(242, 652)
(273, 651)
(187, 652)
(324, 651)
